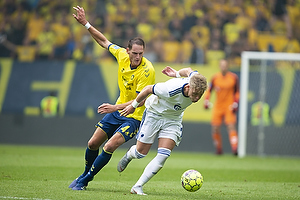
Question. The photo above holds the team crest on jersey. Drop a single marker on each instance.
(177, 107)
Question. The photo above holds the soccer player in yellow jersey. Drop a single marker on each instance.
(134, 73)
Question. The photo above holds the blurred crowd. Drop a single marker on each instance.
(175, 31)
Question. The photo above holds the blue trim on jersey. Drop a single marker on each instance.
(176, 91)
(153, 89)
(109, 45)
(193, 72)
(142, 122)
(183, 90)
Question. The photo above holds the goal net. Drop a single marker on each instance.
(269, 113)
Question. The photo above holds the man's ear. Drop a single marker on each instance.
(127, 50)
(187, 86)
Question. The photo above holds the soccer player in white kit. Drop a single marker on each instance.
(162, 119)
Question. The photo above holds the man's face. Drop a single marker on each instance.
(223, 66)
(135, 55)
(194, 94)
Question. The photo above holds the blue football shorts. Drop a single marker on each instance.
(113, 123)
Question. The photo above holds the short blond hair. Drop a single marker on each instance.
(198, 83)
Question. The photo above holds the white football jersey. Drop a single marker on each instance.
(168, 99)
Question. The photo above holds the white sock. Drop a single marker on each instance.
(132, 153)
(154, 166)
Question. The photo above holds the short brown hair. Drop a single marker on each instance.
(137, 40)
(198, 82)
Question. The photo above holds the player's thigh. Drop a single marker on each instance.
(150, 126)
(128, 129)
(217, 117)
(230, 117)
(114, 142)
(98, 138)
(170, 133)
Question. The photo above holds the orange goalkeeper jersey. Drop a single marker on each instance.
(226, 88)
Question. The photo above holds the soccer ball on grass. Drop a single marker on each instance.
(191, 180)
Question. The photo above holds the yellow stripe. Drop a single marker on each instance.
(46, 86)
(66, 82)
(280, 110)
(6, 66)
(63, 86)
(33, 111)
(107, 151)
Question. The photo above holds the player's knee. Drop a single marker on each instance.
(111, 146)
(231, 127)
(93, 144)
(215, 129)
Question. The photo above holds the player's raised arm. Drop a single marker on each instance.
(97, 35)
(184, 72)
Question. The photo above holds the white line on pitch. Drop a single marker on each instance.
(3, 197)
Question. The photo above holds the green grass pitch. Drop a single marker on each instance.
(39, 173)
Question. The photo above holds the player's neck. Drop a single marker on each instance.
(224, 73)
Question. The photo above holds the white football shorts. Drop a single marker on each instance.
(154, 125)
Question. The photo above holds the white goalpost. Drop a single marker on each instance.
(264, 62)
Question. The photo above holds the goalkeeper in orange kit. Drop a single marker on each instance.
(226, 86)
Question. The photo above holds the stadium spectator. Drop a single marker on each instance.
(279, 13)
(24, 53)
(170, 50)
(4, 51)
(278, 17)
(135, 72)
(197, 54)
(45, 43)
(176, 29)
(226, 86)
(35, 26)
(162, 119)
(261, 22)
(60, 26)
(144, 28)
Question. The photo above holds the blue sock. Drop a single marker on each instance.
(90, 156)
(100, 162)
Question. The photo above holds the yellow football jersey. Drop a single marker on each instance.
(132, 81)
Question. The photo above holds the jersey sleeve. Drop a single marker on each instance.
(116, 51)
(170, 87)
(160, 89)
(211, 86)
(236, 89)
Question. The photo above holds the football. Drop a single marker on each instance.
(191, 180)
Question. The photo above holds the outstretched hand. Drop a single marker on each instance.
(169, 71)
(127, 110)
(206, 104)
(80, 17)
(234, 107)
(106, 108)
